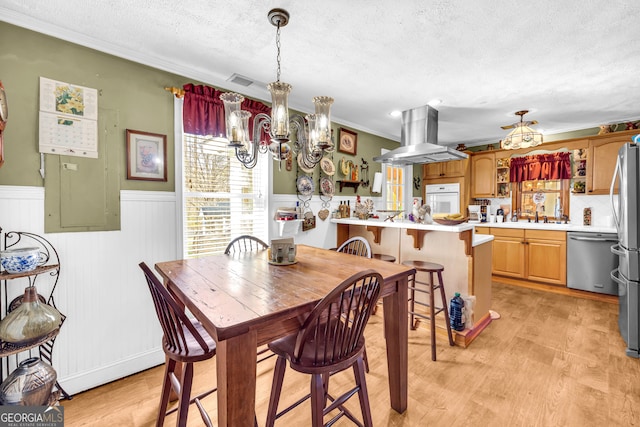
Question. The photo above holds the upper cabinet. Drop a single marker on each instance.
(483, 175)
(601, 161)
(452, 169)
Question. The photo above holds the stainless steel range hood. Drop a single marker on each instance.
(419, 140)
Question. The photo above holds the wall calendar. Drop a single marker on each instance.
(68, 119)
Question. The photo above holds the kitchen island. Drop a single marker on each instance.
(466, 258)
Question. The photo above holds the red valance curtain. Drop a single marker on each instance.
(540, 167)
(203, 111)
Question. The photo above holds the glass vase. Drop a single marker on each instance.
(30, 321)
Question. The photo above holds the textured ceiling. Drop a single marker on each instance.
(574, 64)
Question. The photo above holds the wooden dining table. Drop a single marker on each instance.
(243, 302)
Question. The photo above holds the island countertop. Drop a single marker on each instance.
(478, 239)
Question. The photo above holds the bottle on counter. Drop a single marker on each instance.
(456, 312)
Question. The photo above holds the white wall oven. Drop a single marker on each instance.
(443, 198)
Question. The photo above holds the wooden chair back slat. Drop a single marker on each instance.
(338, 321)
(245, 243)
(356, 246)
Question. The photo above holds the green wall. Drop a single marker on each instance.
(132, 92)
(368, 146)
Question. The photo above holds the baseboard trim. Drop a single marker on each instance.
(87, 380)
(556, 289)
(465, 337)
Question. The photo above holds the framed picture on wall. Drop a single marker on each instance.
(146, 156)
(348, 141)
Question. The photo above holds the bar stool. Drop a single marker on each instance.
(430, 268)
(383, 257)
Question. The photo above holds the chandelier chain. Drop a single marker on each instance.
(278, 55)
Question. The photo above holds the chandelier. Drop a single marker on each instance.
(313, 132)
(522, 136)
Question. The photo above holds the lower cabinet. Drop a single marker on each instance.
(537, 255)
(509, 257)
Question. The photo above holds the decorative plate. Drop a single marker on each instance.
(327, 166)
(303, 167)
(327, 187)
(305, 185)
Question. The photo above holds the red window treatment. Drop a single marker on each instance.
(540, 167)
(203, 111)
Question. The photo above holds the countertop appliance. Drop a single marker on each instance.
(625, 214)
(443, 198)
(590, 261)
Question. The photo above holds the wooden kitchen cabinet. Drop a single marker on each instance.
(483, 175)
(601, 162)
(509, 256)
(452, 169)
(547, 256)
(537, 255)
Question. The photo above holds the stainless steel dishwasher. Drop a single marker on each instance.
(590, 262)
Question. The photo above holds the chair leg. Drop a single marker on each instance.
(363, 394)
(366, 360)
(276, 389)
(325, 384)
(166, 390)
(317, 400)
(185, 394)
(446, 312)
(432, 318)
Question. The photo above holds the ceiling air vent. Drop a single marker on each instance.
(240, 80)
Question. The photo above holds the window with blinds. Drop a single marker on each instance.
(394, 186)
(221, 198)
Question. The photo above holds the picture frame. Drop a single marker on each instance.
(146, 156)
(348, 142)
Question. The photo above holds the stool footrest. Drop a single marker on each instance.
(427, 316)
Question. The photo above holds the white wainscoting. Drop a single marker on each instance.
(111, 329)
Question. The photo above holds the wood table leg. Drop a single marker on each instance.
(396, 336)
(236, 372)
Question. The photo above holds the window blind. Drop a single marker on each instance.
(221, 199)
(394, 195)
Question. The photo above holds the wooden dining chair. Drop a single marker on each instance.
(185, 342)
(356, 246)
(329, 341)
(245, 243)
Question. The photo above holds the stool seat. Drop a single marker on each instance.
(425, 266)
(428, 288)
(383, 257)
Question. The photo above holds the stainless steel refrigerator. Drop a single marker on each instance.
(626, 206)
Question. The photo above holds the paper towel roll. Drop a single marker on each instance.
(377, 183)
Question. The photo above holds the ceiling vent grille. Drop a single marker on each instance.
(240, 80)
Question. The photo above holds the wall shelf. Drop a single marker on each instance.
(294, 228)
(352, 184)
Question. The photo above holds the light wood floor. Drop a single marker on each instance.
(550, 360)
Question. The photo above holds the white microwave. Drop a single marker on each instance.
(443, 198)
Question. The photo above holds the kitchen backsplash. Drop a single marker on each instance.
(600, 208)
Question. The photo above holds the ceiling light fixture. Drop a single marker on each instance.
(313, 136)
(522, 136)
